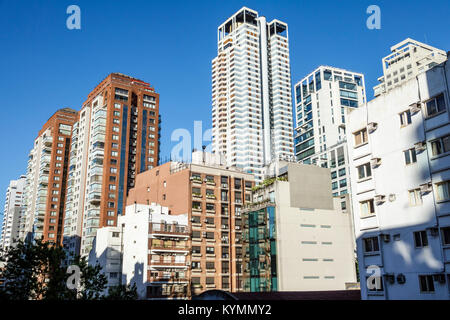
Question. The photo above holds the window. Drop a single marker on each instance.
(115, 234)
(435, 105)
(209, 250)
(443, 191)
(210, 265)
(371, 244)
(114, 154)
(420, 239)
(445, 236)
(360, 137)
(426, 283)
(415, 197)
(440, 146)
(113, 275)
(410, 156)
(367, 208)
(405, 118)
(364, 171)
(196, 249)
(113, 170)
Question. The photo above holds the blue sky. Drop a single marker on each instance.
(44, 66)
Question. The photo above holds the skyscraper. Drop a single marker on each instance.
(14, 207)
(115, 137)
(322, 100)
(45, 190)
(251, 92)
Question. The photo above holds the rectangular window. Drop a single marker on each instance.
(445, 236)
(410, 156)
(367, 208)
(420, 239)
(440, 146)
(405, 118)
(371, 244)
(415, 197)
(443, 191)
(360, 137)
(426, 283)
(364, 171)
(435, 105)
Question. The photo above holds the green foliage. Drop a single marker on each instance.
(37, 271)
(122, 292)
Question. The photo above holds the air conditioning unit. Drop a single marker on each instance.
(415, 107)
(372, 126)
(379, 198)
(426, 187)
(420, 146)
(385, 237)
(401, 279)
(375, 162)
(439, 278)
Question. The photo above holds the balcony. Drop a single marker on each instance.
(47, 141)
(168, 229)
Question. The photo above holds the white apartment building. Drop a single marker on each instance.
(399, 151)
(148, 248)
(76, 181)
(407, 60)
(251, 92)
(322, 99)
(297, 237)
(12, 212)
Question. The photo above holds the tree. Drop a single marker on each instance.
(122, 292)
(92, 281)
(36, 270)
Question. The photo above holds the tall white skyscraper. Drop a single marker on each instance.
(14, 208)
(251, 92)
(322, 100)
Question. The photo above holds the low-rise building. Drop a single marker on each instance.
(297, 237)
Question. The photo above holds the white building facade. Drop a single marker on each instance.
(148, 248)
(14, 208)
(322, 99)
(399, 151)
(251, 92)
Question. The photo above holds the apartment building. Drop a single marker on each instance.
(407, 60)
(297, 237)
(251, 92)
(148, 248)
(322, 99)
(46, 178)
(115, 137)
(212, 195)
(399, 158)
(14, 208)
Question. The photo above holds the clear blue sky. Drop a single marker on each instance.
(44, 66)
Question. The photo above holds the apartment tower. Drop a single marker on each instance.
(251, 92)
(116, 136)
(14, 208)
(322, 100)
(47, 171)
(399, 151)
